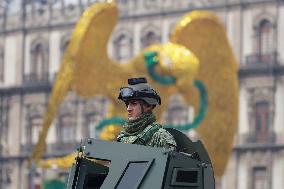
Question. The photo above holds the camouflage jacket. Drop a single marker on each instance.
(153, 135)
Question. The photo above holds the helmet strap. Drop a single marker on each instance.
(142, 107)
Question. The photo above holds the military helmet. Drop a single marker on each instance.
(139, 89)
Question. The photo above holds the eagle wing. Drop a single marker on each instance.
(203, 34)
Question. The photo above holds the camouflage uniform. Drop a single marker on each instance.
(147, 132)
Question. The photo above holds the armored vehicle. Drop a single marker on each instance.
(114, 165)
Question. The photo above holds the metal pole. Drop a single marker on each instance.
(32, 175)
(1, 133)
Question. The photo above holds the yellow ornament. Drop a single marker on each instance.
(204, 35)
(110, 132)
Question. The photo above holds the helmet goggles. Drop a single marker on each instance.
(128, 93)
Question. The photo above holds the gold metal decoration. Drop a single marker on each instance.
(60, 163)
(198, 49)
(110, 132)
(203, 34)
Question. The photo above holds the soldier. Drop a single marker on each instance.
(141, 127)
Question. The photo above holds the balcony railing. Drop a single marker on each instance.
(35, 79)
(261, 64)
(26, 149)
(261, 138)
(62, 147)
(261, 59)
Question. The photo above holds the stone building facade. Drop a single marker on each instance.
(34, 34)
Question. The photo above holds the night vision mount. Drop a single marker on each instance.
(135, 81)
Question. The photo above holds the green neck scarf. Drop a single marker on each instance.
(133, 127)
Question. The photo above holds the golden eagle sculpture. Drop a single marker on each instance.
(197, 62)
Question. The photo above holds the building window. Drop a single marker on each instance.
(123, 47)
(171, 29)
(262, 120)
(2, 68)
(36, 126)
(5, 175)
(34, 122)
(95, 110)
(41, 7)
(260, 178)
(13, 7)
(4, 127)
(70, 5)
(177, 113)
(63, 44)
(3, 9)
(150, 38)
(63, 47)
(67, 128)
(57, 4)
(122, 1)
(92, 120)
(150, 4)
(265, 37)
(264, 41)
(39, 62)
